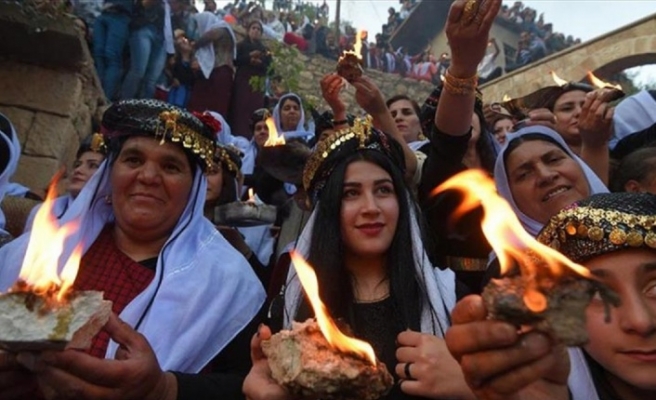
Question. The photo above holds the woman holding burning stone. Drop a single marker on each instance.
(184, 296)
(365, 245)
(615, 239)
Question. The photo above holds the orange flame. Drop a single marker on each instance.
(559, 81)
(507, 236)
(327, 326)
(506, 97)
(46, 244)
(599, 84)
(274, 139)
(251, 196)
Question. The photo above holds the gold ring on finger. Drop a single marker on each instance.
(470, 11)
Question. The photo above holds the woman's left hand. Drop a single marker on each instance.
(369, 96)
(434, 373)
(133, 374)
(596, 119)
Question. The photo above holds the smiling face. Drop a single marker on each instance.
(83, 168)
(567, 110)
(151, 184)
(544, 179)
(626, 346)
(406, 120)
(370, 210)
(290, 115)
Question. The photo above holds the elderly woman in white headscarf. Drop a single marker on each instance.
(186, 298)
(216, 49)
(9, 155)
(539, 175)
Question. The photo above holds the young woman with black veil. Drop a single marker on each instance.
(357, 242)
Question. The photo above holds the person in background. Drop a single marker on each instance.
(148, 44)
(636, 172)
(88, 158)
(9, 155)
(111, 31)
(253, 60)
(216, 48)
(488, 69)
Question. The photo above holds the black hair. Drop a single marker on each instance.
(638, 166)
(530, 137)
(327, 249)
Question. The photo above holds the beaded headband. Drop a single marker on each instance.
(333, 148)
(228, 158)
(602, 224)
(161, 120)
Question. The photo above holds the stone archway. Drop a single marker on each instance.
(630, 46)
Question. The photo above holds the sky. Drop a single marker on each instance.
(585, 19)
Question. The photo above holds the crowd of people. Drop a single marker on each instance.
(194, 295)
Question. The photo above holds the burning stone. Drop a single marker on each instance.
(563, 317)
(32, 322)
(349, 66)
(303, 361)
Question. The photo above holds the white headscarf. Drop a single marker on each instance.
(203, 292)
(438, 285)
(206, 22)
(10, 139)
(633, 114)
(300, 131)
(225, 137)
(501, 178)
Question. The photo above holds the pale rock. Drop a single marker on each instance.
(27, 323)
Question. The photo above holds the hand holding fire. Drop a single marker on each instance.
(134, 373)
(259, 384)
(434, 373)
(499, 362)
(331, 86)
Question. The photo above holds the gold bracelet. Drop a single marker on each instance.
(460, 86)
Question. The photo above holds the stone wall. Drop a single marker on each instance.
(48, 89)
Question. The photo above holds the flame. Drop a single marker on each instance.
(251, 196)
(45, 247)
(599, 84)
(559, 81)
(442, 78)
(507, 236)
(274, 139)
(357, 47)
(506, 97)
(327, 326)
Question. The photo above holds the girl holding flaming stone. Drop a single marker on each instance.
(619, 360)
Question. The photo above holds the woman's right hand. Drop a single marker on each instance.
(259, 385)
(331, 86)
(500, 363)
(16, 382)
(468, 34)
